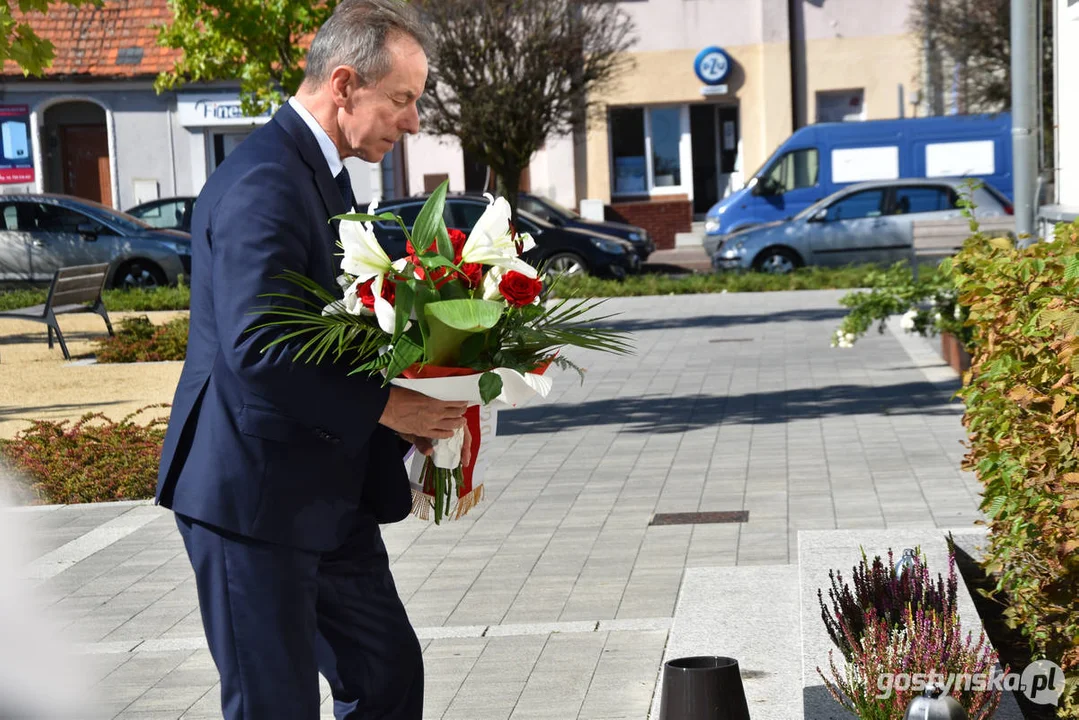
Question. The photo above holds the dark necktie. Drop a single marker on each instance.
(344, 184)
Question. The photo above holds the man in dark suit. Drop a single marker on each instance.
(280, 471)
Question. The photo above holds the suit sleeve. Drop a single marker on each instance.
(258, 232)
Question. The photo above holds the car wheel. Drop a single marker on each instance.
(777, 261)
(139, 274)
(566, 263)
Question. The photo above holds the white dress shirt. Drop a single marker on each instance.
(329, 150)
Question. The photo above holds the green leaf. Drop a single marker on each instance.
(422, 294)
(467, 315)
(471, 348)
(429, 221)
(402, 305)
(490, 387)
(364, 217)
(404, 354)
(445, 247)
(1071, 270)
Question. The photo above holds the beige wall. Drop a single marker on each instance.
(679, 24)
(433, 155)
(876, 64)
(1068, 110)
(761, 84)
(833, 19)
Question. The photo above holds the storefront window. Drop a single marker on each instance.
(666, 134)
(627, 150)
(646, 149)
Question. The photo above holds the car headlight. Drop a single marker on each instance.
(711, 225)
(608, 246)
(635, 237)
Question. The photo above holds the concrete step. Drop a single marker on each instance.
(749, 613)
(824, 550)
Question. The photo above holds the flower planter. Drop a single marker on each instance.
(954, 353)
(703, 688)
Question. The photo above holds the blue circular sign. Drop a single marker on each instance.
(713, 65)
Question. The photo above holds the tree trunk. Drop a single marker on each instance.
(507, 185)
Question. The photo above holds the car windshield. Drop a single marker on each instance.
(120, 219)
(557, 207)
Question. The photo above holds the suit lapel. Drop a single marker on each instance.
(294, 125)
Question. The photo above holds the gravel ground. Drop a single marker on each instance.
(36, 383)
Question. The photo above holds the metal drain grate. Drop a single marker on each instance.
(700, 518)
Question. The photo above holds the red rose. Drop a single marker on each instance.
(519, 289)
(367, 296)
(472, 273)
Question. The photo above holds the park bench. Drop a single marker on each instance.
(74, 289)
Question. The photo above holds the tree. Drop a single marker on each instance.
(259, 43)
(507, 74)
(19, 42)
(975, 36)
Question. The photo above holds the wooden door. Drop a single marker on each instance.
(85, 153)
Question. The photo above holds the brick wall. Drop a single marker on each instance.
(662, 218)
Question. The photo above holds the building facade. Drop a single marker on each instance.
(94, 127)
(670, 144)
(1067, 107)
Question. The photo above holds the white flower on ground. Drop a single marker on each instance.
(907, 321)
(364, 257)
(492, 243)
(958, 311)
(843, 339)
(936, 318)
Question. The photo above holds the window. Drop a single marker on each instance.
(923, 200)
(666, 134)
(797, 169)
(860, 205)
(169, 214)
(627, 151)
(840, 105)
(11, 217)
(56, 219)
(646, 149)
(408, 214)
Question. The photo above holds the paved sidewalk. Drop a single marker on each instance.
(554, 597)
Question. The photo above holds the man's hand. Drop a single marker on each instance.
(423, 445)
(412, 413)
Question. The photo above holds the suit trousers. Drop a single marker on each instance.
(276, 616)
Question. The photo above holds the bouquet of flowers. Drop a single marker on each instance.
(460, 318)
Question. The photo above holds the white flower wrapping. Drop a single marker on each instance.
(517, 388)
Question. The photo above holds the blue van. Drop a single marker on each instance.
(818, 160)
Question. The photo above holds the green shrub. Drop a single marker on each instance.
(139, 300)
(139, 340)
(808, 278)
(1022, 414)
(93, 460)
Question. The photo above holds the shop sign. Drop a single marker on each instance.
(215, 110)
(16, 153)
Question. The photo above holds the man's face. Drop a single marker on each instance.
(372, 119)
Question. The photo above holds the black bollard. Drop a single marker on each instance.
(703, 688)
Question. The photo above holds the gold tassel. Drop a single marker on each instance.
(467, 502)
(421, 504)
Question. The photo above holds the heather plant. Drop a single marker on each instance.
(928, 643)
(139, 340)
(879, 592)
(93, 460)
(1022, 416)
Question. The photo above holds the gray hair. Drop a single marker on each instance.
(356, 35)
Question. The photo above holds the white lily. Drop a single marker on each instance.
(490, 283)
(364, 257)
(492, 243)
(384, 312)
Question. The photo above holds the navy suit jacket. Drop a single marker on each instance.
(258, 444)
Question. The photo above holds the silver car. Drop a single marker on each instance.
(866, 223)
(39, 234)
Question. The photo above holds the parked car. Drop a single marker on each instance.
(166, 213)
(865, 223)
(818, 160)
(39, 234)
(560, 216)
(560, 249)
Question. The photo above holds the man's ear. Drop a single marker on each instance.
(341, 80)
